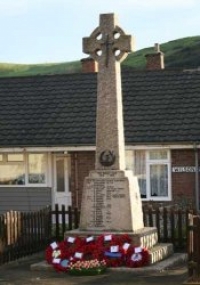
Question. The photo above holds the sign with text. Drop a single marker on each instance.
(184, 169)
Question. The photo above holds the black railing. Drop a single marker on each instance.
(171, 224)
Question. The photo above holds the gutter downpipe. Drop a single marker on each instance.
(196, 178)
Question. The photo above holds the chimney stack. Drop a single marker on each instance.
(155, 61)
(89, 65)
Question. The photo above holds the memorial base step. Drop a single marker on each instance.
(160, 251)
(146, 237)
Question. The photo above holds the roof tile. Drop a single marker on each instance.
(159, 106)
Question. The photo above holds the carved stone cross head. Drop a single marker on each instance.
(108, 41)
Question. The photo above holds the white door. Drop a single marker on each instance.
(62, 195)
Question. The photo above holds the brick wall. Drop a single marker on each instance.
(81, 164)
(183, 183)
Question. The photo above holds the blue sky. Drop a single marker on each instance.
(46, 31)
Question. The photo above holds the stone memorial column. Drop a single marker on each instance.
(111, 198)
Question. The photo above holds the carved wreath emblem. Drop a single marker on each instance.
(107, 158)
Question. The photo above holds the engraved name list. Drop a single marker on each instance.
(102, 194)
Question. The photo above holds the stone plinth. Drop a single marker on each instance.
(146, 237)
(160, 252)
(111, 202)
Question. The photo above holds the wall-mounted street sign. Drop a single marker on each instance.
(184, 169)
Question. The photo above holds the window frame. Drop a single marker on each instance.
(148, 163)
(26, 168)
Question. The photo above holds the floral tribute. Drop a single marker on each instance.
(92, 255)
(87, 267)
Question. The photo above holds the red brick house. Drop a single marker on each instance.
(47, 135)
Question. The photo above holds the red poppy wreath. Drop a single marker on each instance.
(72, 244)
(114, 256)
(137, 257)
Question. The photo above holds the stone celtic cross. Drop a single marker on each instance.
(109, 45)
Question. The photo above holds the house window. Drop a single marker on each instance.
(152, 168)
(139, 169)
(12, 170)
(23, 169)
(37, 164)
(158, 180)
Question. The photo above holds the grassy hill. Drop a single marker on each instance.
(180, 53)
